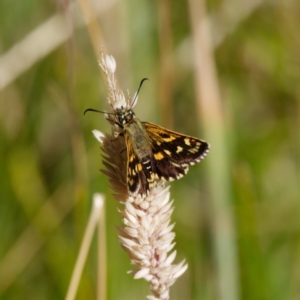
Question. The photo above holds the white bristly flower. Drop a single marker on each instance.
(110, 63)
(116, 97)
(147, 233)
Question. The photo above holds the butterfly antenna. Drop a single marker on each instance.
(95, 110)
(137, 93)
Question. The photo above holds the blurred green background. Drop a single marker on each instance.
(50, 161)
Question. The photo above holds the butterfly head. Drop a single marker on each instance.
(124, 116)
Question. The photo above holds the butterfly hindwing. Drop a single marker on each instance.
(141, 175)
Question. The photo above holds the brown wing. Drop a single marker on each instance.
(173, 152)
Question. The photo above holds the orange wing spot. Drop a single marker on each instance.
(131, 158)
(187, 141)
(168, 152)
(138, 167)
(179, 149)
(158, 156)
(131, 182)
(193, 150)
(151, 180)
(169, 139)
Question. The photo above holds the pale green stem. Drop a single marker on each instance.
(98, 201)
(210, 111)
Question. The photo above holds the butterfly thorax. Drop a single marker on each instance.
(135, 132)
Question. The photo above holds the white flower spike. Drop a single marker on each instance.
(146, 234)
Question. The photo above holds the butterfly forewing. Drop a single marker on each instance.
(174, 152)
